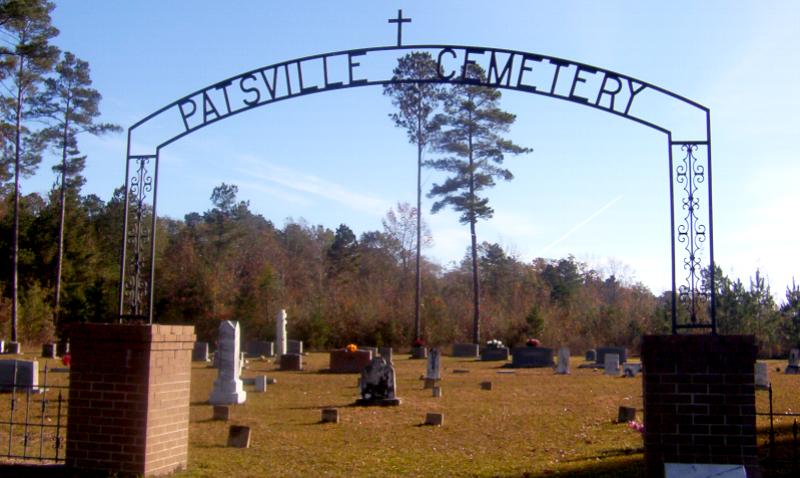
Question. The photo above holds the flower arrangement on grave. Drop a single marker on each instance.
(419, 343)
(532, 342)
(494, 344)
(638, 426)
(66, 359)
(351, 347)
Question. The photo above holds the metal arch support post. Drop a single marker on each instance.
(124, 246)
(151, 292)
(712, 265)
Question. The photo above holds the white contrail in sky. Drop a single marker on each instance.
(578, 226)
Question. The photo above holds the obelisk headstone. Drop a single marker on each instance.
(280, 333)
(228, 387)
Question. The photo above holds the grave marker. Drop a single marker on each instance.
(466, 350)
(200, 352)
(793, 368)
(386, 353)
(378, 384)
(261, 383)
(260, 348)
(611, 365)
(434, 419)
(342, 361)
(222, 412)
(330, 415)
(563, 361)
(280, 333)
(291, 362)
(434, 368)
(294, 347)
(621, 352)
(762, 375)
(531, 357)
(228, 387)
(22, 374)
(239, 436)
(49, 350)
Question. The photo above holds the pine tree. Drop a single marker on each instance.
(72, 106)
(473, 123)
(26, 58)
(416, 103)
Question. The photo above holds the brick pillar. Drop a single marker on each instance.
(699, 401)
(129, 398)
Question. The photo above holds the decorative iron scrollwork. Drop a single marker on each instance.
(138, 237)
(692, 295)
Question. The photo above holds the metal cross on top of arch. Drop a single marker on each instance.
(685, 124)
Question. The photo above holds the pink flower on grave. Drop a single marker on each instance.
(533, 343)
(419, 343)
(638, 426)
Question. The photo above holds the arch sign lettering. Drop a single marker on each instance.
(685, 124)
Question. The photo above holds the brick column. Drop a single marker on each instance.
(129, 398)
(699, 401)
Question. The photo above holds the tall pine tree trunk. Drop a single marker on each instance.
(418, 292)
(476, 291)
(15, 239)
(60, 254)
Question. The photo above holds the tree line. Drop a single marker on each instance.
(229, 263)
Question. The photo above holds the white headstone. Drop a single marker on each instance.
(699, 470)
(434, 370)
(563, 360)
(280, 333)
(228, 387)
(611, 365)
(762, 375)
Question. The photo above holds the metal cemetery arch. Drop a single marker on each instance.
(685, 123)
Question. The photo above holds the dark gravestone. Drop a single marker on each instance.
(200, 352)
(622, 352)
(294, 347)
(419, 352)
(374, 350)
(292, 362)
(378, 385)
(259, 348)
(20, 374)
(524, 357)
(239, 436)
(49, 350)
(466, 350)
(626, 414)
(492, 354)
(342, 361)
(590, 355)
(386, 353)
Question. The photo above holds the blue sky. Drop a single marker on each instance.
(595, 185)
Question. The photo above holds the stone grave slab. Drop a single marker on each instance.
(563, 361)
(222, 412)
(631, 369)
(49, 350)
(621, 352)
(433, 371)
(239, 436)
(702, 470)
(291, 362)
(342, 361)
(22, 374)
(13, 348)
(489, 354)
(228, 387)
(378, 384)
(200, 352)
(466, 350)
(260, 348)
(486, 385)
(437, 392)
(611, 365)
(330, 415)
(762, 375)
(626, 414)
(261, 383)
(294, 347)
(531, 357)
(434, 419)
(419, 352)
(793, 367)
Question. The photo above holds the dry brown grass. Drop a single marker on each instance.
(533, 423)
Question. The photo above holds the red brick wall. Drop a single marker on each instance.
(699, 400)
(129, 398)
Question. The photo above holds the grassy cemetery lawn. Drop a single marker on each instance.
(532, 423)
